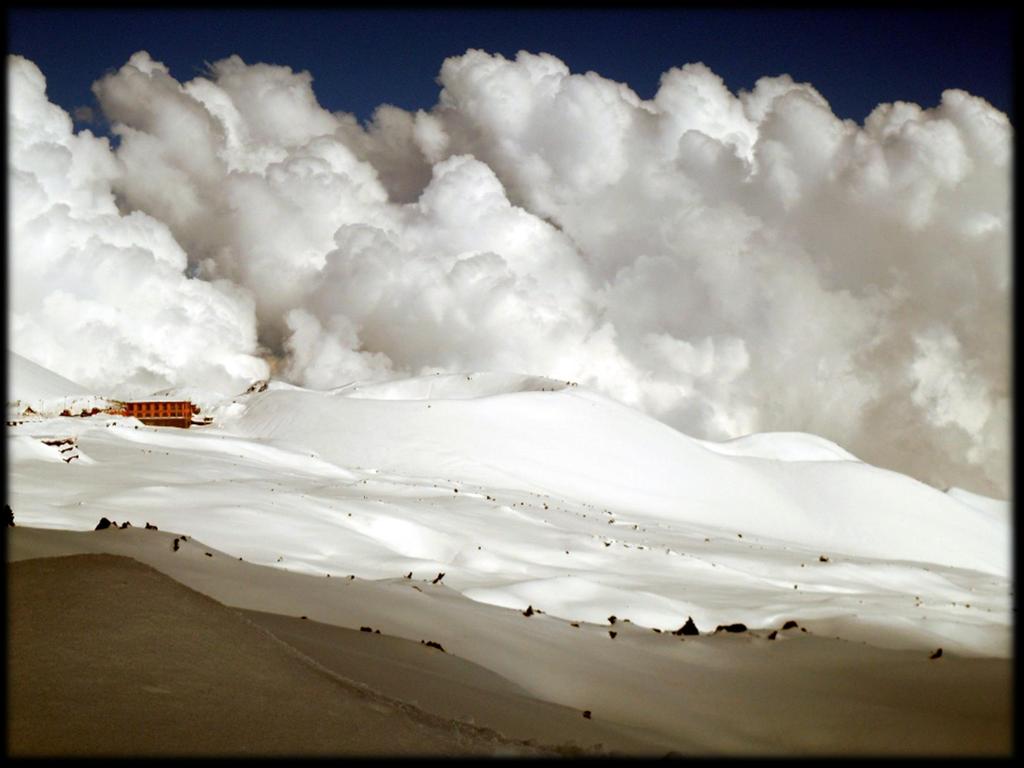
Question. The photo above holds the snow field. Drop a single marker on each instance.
(524, 499)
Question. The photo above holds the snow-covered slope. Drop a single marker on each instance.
(572, 443)
(998, 509)
(782, 446)
(525, 491)
(450, 386)
(30, 382)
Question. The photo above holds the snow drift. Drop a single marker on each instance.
(29, 382)
(527, 491)
(577, 444)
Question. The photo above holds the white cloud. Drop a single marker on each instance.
(729, 263)
(99, 296)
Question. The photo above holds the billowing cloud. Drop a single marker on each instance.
(727, 262)
(100, 294)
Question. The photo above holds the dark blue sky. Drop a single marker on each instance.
(359, 59)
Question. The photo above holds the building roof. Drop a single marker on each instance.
(156, 400)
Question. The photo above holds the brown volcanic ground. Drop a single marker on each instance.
(107, 656)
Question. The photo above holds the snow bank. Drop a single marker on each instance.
(997, 508)
(451, 386)
(781, 446)
(556, 498)
(30, 382)
(575, 444)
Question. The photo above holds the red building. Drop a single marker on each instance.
(160, 413)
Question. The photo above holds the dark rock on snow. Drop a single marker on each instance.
(737, 627)
(689, 628)
(102, 524)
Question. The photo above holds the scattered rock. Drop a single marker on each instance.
(737, 627)
(366, 629)
(104, 523)
(612, 634)
(439, 577)
(432, 644)
(689, 628)
(208, 554)
(304, 618)
(790, 625)
(151, 527)
(822, 559)
(574, 624)
(409, 575)
(655, 629)
(10, 516)
(586, 714)
(528, 611)
(774, 634)
(124, 525)
(611, 619)
(937, 654)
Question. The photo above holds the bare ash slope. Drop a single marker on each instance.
(722, 694)
(108, 657)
